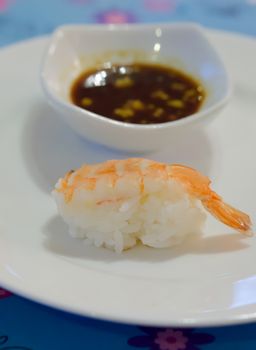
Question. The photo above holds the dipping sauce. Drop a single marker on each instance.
(138, 93)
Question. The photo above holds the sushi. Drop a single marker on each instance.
(119, 203)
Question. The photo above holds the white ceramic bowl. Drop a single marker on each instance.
(73, 49)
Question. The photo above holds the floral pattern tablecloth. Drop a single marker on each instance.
(27, 325)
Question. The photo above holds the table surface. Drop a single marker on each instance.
(27, 325)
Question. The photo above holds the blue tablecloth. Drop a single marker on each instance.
(27, 325)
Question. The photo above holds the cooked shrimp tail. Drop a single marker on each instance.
(198, 186)
(228, 215)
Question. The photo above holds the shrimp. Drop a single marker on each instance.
(139, 170)
(198, 186)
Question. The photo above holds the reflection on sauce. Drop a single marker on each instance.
(138, 93)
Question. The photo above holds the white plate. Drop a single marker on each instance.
(211, 281)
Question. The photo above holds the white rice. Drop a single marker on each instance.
(160, 217)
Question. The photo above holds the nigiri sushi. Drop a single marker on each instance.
(118, 203)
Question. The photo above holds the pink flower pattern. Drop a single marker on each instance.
(171, 340)
(115, 16)
(160, 5)
(4, 293)
(4, 5)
